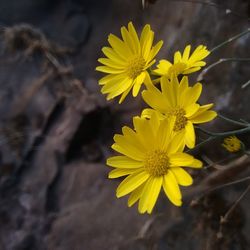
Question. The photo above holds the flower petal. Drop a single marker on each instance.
(138, 82)
(123, 162)
(135, 195)
(131, 182)
(191, 109)
(204, 117)
(189, 135)
(150, 194)
(180, 159)
(172, 189)
(119, 172)
(183, 178)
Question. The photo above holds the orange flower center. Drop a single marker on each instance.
(181, 120)
(135, 66)
(156, 162)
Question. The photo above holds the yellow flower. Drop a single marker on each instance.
(232, 144)
(152, 157)
(178, 100)
(127, 61)
(183, 64)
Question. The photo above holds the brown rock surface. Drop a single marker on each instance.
(56, 128)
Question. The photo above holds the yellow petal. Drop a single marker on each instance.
(154, 51)
(132, 137)
(124, 94)
(150, 194)
(135, 195)
(111, 63)
(132, 32)
(154, 98)
(131, 182)
(119, 46)
(163, 67)
(189, 135)
(126, 36)
(147, 45)
(177, 57)
(183, 178)
(165, 131)
(119, 172)
(123, 162)
(192, 94)
(111, 78)
(144, 35)
(177, 143)
(204, 117)
(186, 53)
(116, 89)
(191, 109)
(128, 147)
(138, 82)
(191, 70)
(172, 189)
(183, 84)
(142, 127)
(202, 109)
(111, 54)
(180, 159)
(196, 164)
(106, 69)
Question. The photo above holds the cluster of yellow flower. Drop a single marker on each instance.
(152, 153)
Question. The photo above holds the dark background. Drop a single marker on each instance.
(56, 128)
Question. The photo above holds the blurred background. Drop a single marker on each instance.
(56, 128)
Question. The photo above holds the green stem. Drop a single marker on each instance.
(225, 134)
(211, 138)
(230, 40)
(233, 121)
(214, 136)
(204, 71)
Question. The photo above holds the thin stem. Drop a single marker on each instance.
(211, 163)
(211, 138)
(224, 134)
(204, 71)
(233, 121)
(228, 184)
(227, 11)
(245, 84)
(229, 212)
(230, 40)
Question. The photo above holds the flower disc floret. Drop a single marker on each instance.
(232, 144)
(135, 66)
(156, 162)
(181, 119)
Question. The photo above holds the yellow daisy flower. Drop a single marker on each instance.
(152, 158)
(178, 100)
(127, 61)
(183, 63)
(232, 144)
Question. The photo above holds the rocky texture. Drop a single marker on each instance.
(56, 128)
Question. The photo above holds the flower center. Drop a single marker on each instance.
(232, 144)
(135, 66)
(156, 163)
(181, 120)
